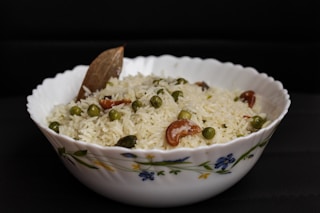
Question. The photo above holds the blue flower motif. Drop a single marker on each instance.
(129, 155)
(223, 162)
(145, 175)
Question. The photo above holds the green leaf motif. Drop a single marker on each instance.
(147, 168)
(75, 156)
(247, 153)
(223, 172)
(61, 151)
(80, 153)
(160, 173)
(83, 163)
(175, 172)
(207, 167)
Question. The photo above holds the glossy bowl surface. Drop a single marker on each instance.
(158, 178)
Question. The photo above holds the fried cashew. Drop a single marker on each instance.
(180, 128)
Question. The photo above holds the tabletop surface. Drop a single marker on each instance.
(286, 177)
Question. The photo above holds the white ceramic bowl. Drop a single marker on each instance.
(158, 178)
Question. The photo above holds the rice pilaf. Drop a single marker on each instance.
(135, 114)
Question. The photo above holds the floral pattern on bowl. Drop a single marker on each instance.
(147, 169)
(156, 178)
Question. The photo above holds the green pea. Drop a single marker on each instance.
(156, 101)
(136, 104)
(54, 126)
(156, 81)
(184, 114)
(93, 110)
(181, 81)
(257, 122)
(114, 115)
(208, 132)
(75, 110)
(160, 91)
(176, 94)
(128, 141)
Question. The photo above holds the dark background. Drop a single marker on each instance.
(42, 38)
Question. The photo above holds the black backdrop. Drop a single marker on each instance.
(42, 38)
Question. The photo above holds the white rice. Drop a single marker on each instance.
(214, 107)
